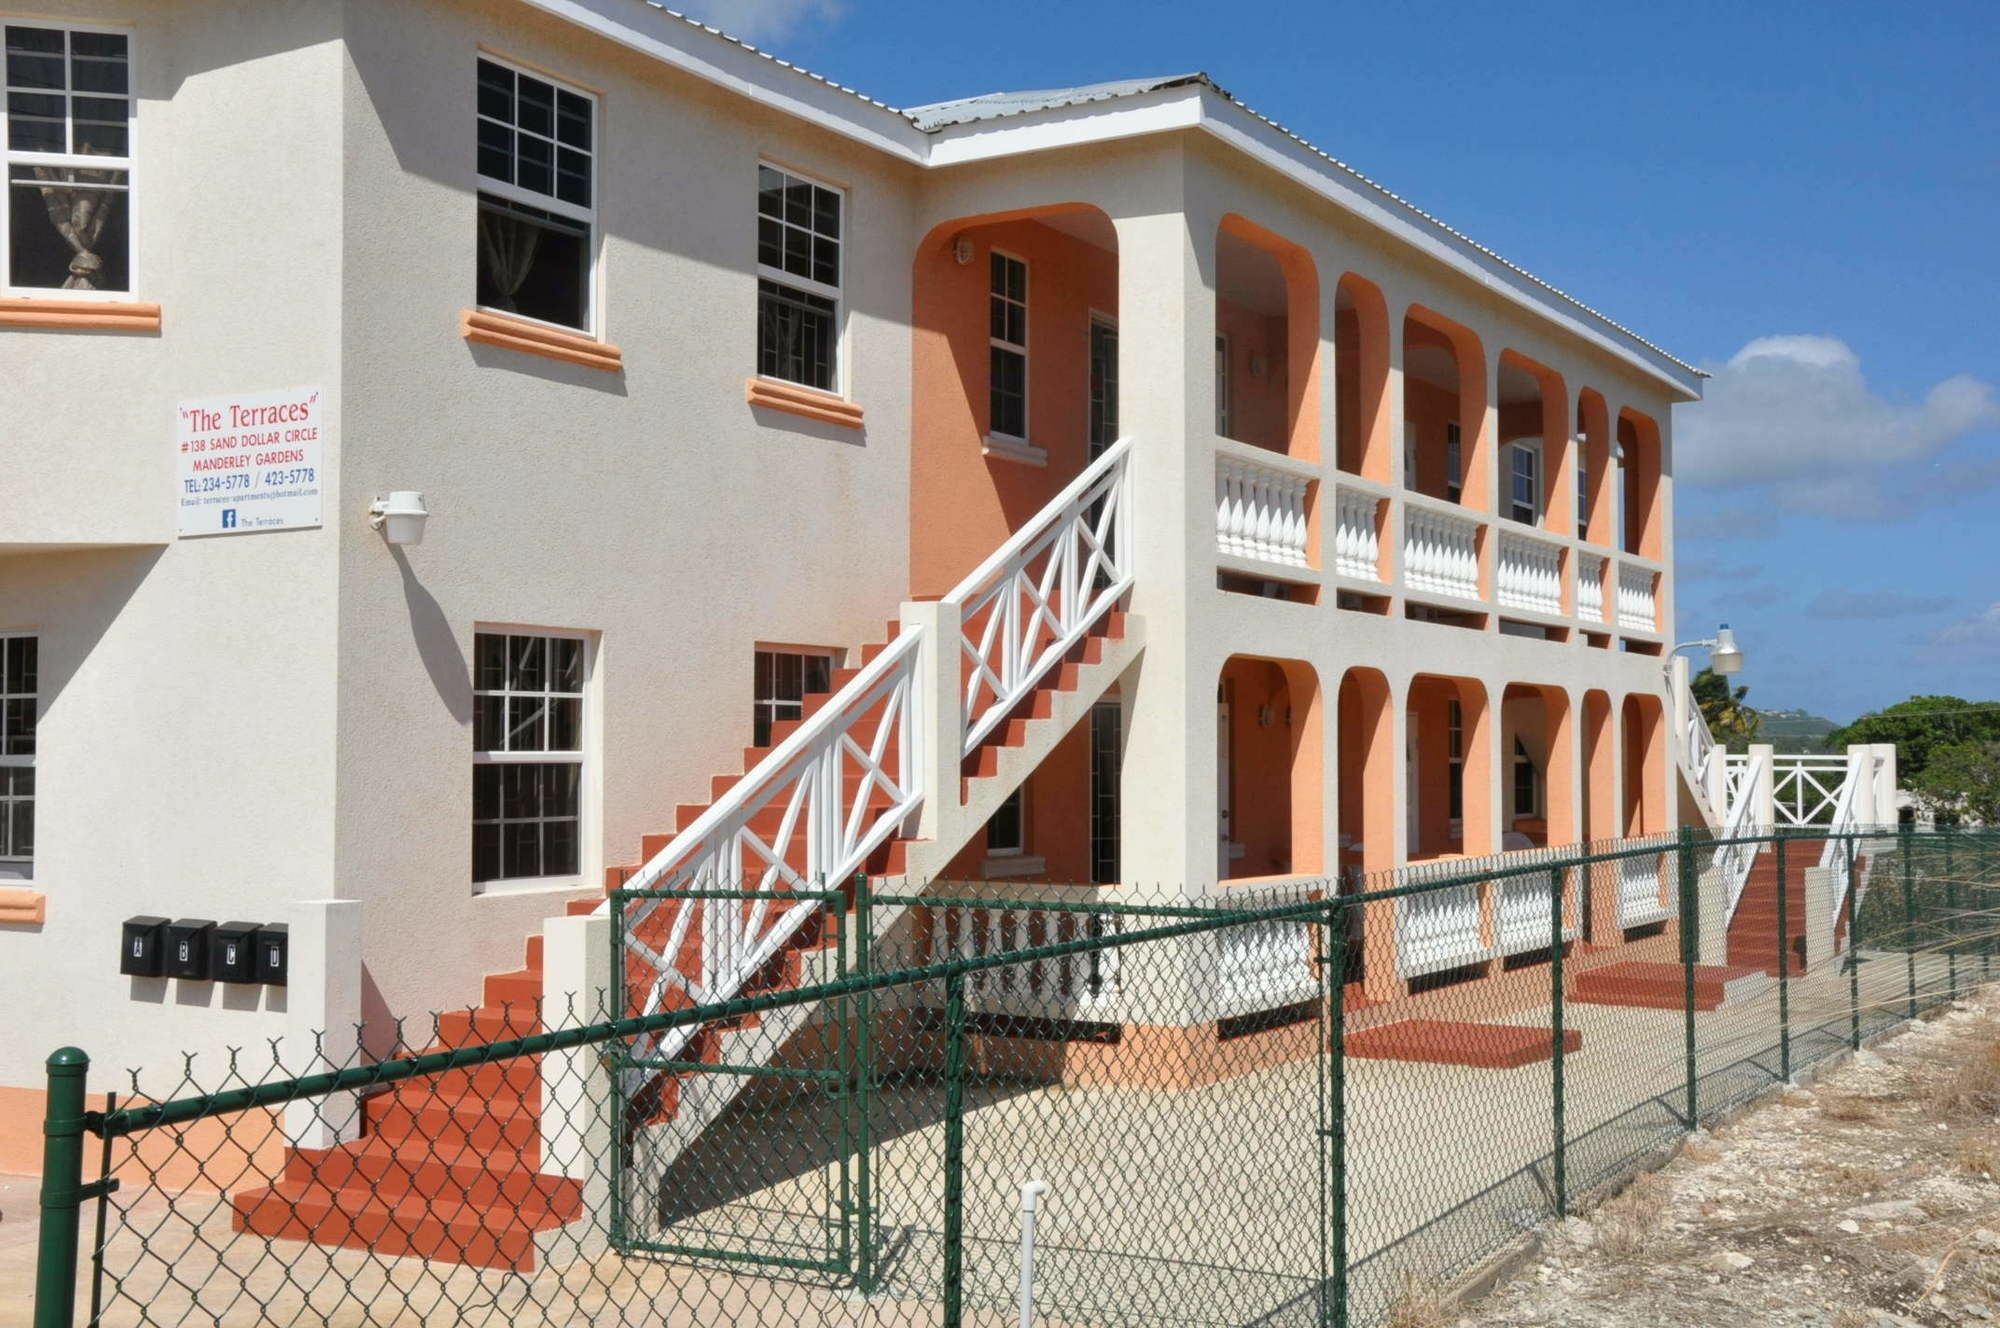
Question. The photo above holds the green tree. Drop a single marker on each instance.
(1920, 726)
(1733, 723)
(1961, 780)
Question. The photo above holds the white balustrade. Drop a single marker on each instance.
(1641, 895)
(1260, 511)
(1073, 986)
(1440, 552)
(1357, 538)
(1638, 607)
(1439, 929)
(1528, 574)
(1590, 588)
(1523, 914)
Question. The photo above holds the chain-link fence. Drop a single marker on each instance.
(1281, 1102)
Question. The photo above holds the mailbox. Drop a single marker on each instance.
(187, 948)
(141, 951)
(272, 944)
(231, 953)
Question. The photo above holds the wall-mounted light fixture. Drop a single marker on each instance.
(1724, 655)
(400, 517)
(961, 249)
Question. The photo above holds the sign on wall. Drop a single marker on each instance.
(249, 462)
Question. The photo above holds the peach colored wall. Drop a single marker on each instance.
(986, 498)
(1058, 817)
(1260, 407)
(1640, 438)
(1432, 409)
(1645, 755)
(1429, 710)
(240, 1150)
(1369, 440)
(1594, 424)
(1422, 326)
(1262, 769)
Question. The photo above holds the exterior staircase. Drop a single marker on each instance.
(1753, 930)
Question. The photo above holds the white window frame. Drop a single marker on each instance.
(1015, 347)
(757, 703)
(513, 193)
(9, 157)
(1582, 487)
(1455, 765)
(583, 757)
(1521, 758)
(1225, 384)
(1019, 797)
(14, 867)
(1533, 448)
(836, 292)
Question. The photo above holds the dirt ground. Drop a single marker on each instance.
(1867, 1200)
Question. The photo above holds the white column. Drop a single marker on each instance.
(579, 1099)
(1885, 782)
(940, 712)
(1764, 811)
(1677, 701)
(323, 1015)
(1861, 771)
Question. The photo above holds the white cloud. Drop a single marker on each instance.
(1796, 414)
(761, 20)
(1978, 635)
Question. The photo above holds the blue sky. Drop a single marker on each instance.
(1802, 198)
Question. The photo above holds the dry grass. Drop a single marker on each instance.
(1980, 1154)
(1970, 1090)
(1849, 1107)
(1630, 1221)
(1701, 1149)
(1851, 1317)
(1847, 1181)
(1418, 1304)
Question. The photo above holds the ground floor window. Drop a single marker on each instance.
(18, 715)
(527, 740)
(1527, 783)
(1007, 832)
(783, 679)
(1107, 758)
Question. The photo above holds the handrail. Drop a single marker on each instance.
(1000, 557)
(1731, 859)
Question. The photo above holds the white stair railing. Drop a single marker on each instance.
(1807, 789)
(1733, 860)
(1043, 590)
(807, 816)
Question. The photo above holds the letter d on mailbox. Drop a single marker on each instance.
(273, 942)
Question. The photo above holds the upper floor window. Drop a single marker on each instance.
(1224, 417)
(798, 279)
(527, 755)
(1582, 488)
(1524, 491)
(19, 704)
(537, 196)
(1007, 353)
(1453, 468)
(67, 223)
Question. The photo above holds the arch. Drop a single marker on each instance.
(1643, 735)
(1534, 405)
(1274, 779)
(1639, 438)
(1444, 387)
(1536, 720)
(1595, 509)
(956, 464)
(1449, 768)
(1267, 314)
(1364, 435)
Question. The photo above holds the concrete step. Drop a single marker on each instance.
(1447, 1042)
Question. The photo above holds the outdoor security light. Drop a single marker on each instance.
(1724, 655)
(400, 517)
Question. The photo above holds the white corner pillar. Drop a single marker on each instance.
(1885, 783)
(579, 1097)
(939, 714)
(1678, 703)
(323, 1016)
(1763, 762)
(1861, 770)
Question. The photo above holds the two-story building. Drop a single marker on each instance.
(440, 438)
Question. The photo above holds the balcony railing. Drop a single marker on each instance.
(1528, 574)
(1357, 534)
(1590, 587)
(1260, 511)
(1440, 552)
(1638, 603)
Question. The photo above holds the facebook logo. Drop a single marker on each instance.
(229, 518)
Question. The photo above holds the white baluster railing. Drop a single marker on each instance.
(1260, 511)
(1440, 552)
(1528, 574)
(1076, 986)
(1590, 587)
(1734, 860)
(1642, 897)
(1807, 790)
(1703, 752)
(1041, 591)
(1638, 605)
(1357, 536)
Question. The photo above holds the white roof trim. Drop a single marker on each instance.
(1183, 102)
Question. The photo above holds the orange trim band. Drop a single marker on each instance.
(82, 315)
(534, 338)
(28, 906)
(807, 401)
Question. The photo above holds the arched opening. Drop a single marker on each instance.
(1363, 438)
(1269, 769)
(1266, 340)
(1535, 487)
(1639, 448)
(1448, 769)
(1594, 506)
(1539, 786)
(1446, 451)
(1014, 376)
(1366, 802)
(1644, 809)
(1600, 815)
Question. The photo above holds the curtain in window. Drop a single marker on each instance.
(79, 213)
(507, 247)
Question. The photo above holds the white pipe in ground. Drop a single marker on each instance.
(1031, 1193)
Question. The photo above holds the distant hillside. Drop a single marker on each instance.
(1794, 730)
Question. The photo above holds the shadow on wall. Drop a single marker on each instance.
(437, 643)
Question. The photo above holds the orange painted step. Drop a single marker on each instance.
(458, 1119)
(521, 987)
(1446, 1042)
(452, 1176)
(485, 1237)
(488, 1023)
(1663, 986)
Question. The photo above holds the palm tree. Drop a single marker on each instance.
(1733, 723)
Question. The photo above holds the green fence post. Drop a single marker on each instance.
(1334, 1302)
(954, 1149)
(1784, 973)
(1556, 1038)
(62, 1189)
(1689, 947)
(864, 961)
(1910, 914)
